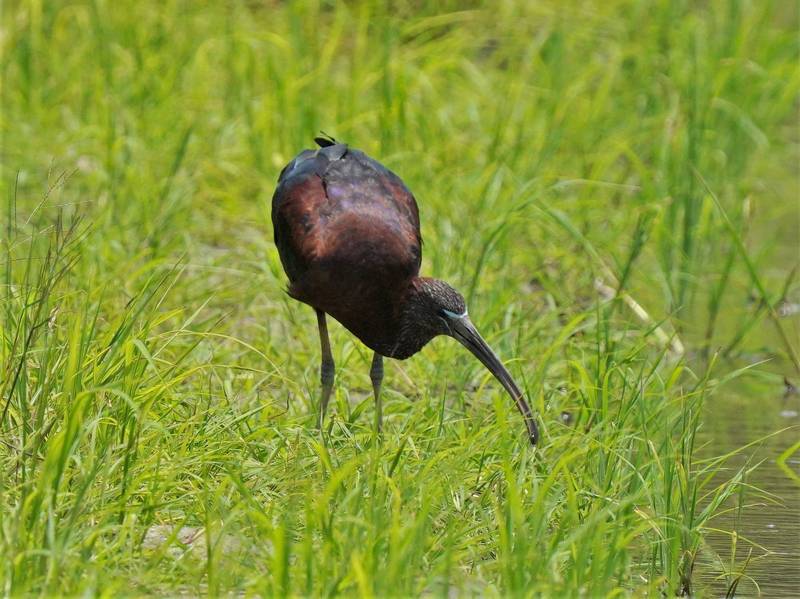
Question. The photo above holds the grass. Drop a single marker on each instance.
(608, 183)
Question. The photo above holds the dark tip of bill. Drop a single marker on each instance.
(533, 433)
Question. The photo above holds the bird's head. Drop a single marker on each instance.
(435, 308)
(432, 306)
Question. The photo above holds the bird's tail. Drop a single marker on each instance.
(324, 140)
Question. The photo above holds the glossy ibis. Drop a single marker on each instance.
(347, 231)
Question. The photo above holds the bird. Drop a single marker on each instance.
(347, 230)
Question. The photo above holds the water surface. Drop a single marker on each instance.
(736, 416)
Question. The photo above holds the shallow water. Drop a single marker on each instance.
(771, 528)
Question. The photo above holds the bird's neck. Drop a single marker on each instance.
(416, 325)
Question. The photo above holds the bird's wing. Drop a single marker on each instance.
(295, 212)
(326, 195)
(368, 187)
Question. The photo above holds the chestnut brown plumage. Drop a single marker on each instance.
(347, 231)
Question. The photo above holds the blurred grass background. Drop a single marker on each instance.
(572, 161)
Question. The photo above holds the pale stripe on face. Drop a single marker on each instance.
(454, 315)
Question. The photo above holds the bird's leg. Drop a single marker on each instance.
(326, 369)
(376, 376)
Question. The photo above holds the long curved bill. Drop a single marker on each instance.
(466, 333)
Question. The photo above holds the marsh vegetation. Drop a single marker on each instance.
(613, 185)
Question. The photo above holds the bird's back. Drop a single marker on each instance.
(347, 231)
